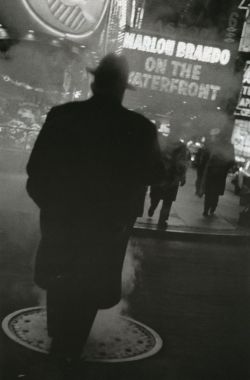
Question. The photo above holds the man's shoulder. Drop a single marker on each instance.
(139, 121)
(137, 116)
(67, 108)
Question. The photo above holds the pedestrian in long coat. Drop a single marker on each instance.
(174, 153)
(219, 160)
(87, 173)
(200, 160)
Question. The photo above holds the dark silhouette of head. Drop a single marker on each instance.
(111, 76)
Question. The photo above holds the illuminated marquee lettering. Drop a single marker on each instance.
(157, 65)
(244, 4)
(148, 44)
(246, 76)
(246, 90)
(186, 70)
(174, 85)
(179, 68)
(185, 50)
(244, 103)
(243, 106)
(209, 54)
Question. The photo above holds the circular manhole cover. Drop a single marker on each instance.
(113, 338)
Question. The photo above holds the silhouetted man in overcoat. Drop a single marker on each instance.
(87, 173)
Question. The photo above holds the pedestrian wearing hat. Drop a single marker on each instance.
(87, 173)
(174, 153)
(218, 160)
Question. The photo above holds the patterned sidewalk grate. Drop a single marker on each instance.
(113, 338)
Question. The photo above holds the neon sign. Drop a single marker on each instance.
(209, 54)
(74, 18)
(148, 44)
(169, 47)
(243, 106)
(178, 68)
(244, 4)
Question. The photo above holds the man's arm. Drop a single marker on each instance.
(182, 164)
(41, 164)
(155, 171)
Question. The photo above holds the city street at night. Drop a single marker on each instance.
(124, 131)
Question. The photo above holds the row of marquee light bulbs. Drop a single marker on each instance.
(6, 41)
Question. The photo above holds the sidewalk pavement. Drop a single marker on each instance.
(186, 213)
(185, 217)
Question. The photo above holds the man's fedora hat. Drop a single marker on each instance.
(113, 69)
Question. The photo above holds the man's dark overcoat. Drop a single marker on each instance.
(87, 173)
(174, 153)
(220, 158)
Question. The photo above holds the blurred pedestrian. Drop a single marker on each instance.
(87, 173)
(200, 164)
(175, 158)
(219, 160)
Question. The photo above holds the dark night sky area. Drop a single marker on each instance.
(199, 13)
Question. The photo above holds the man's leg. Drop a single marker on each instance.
(164, 213)
(207, 203)
(198, 183)
(214, 203)
(70, 315)
(153, 204)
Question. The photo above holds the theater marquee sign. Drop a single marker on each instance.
(75, 18)
(243, 106)
(179, 68)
